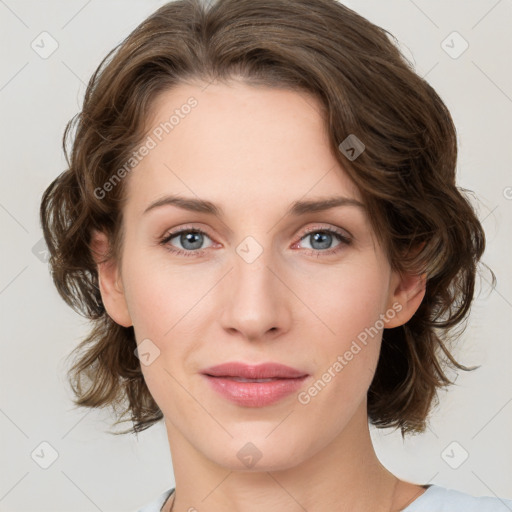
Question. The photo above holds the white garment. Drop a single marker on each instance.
(434, 499)
(442, 499)
(158, 503)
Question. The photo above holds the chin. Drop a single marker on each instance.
(258, 455)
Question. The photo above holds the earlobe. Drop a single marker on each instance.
(408, 291)
(109, 279)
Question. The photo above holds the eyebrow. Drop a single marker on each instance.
(296, 208)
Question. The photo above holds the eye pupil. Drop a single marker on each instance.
(191, 240)
(324, 240)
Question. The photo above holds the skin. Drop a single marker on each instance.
(253, 151)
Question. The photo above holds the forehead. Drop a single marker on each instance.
(239, 143)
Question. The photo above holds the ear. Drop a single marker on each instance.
(406, 294)
(407, 291)
(109, 278)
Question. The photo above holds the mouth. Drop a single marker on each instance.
(254, 386)
(260, 372)
(241, 379)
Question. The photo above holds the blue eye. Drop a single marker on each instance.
(190, 242)
(321, 240)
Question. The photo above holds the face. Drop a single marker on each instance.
(261, 277)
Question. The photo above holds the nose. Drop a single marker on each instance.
(256, 304)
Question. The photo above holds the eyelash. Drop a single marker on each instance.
(343, 239)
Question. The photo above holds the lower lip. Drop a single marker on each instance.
(255, 394)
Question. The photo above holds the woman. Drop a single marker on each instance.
(261, 218)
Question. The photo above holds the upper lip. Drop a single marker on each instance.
(260, 371)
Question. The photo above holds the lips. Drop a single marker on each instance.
(254, 385)
(253, 372)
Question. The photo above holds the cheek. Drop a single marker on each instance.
(159, 295)
(346, 328)
(166, 308)
(345, 300)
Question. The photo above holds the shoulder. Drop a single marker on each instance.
(442, 499)
(157, 503)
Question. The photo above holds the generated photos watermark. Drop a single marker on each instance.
(304, 397)
(151, 142)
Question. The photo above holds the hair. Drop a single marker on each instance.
(367, 88)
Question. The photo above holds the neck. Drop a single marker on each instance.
(343, 475)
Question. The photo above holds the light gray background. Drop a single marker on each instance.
(97, 471)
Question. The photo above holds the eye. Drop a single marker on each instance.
(186, 241)
(321, 240)
(190, 241)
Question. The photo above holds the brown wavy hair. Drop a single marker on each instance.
(406, 176)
